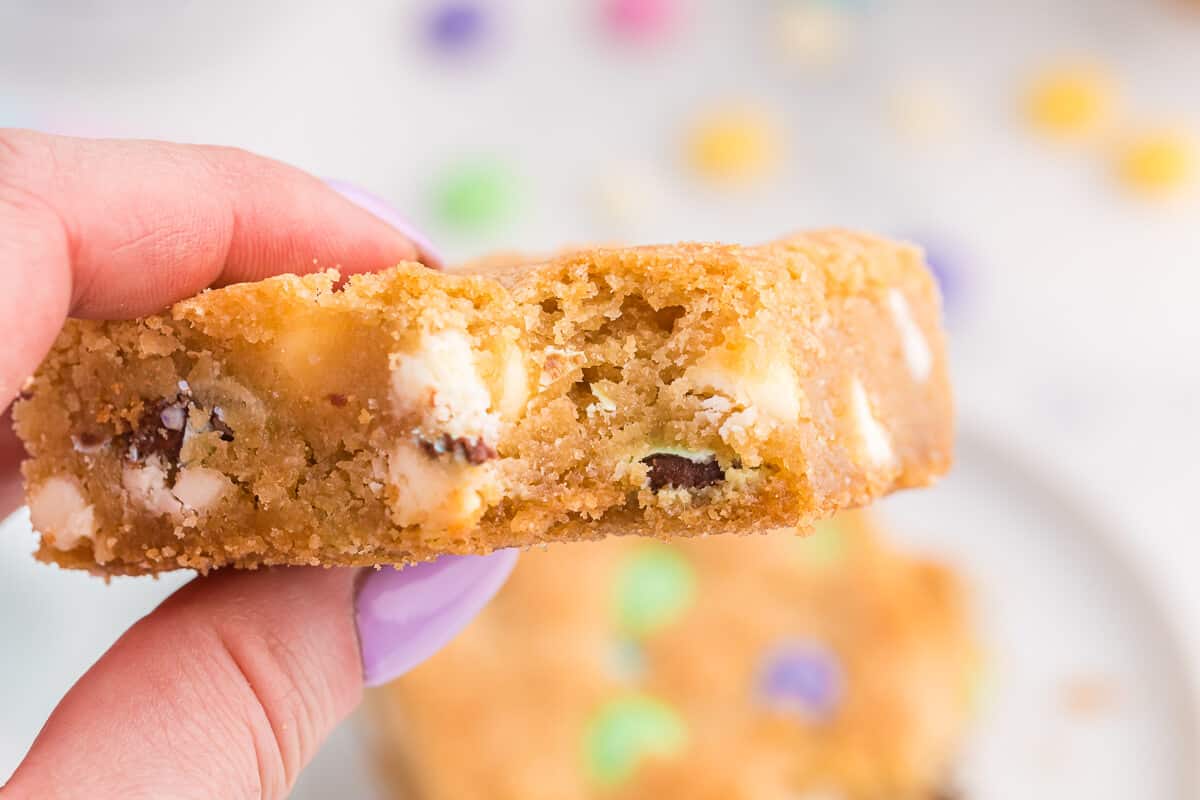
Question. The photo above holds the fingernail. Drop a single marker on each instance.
(406, 615)
(380, 208)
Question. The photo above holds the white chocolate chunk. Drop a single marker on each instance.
(199, 488)
(762, 381)
(876, 443)
(147, 486)
(912, 341)
(437, 493)
(440, 383)
(57, 508)
(604, 402)
(513, 393)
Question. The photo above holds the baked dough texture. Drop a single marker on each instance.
(387, 418)
(774, 667)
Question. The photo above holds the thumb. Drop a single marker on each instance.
(230, 686)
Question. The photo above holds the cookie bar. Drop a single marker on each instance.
(774, 667)
(390, 417)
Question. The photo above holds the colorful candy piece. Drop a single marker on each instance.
(812, 33)
(923, 111)
(628, 730)
(476, 195)
(640, 19)
(1071, 101)
(802, 679)
(457, 26)
(946, 262)
(826, 545)
(654, 589)
(1157, 163)
(629, 194)
(734, 146)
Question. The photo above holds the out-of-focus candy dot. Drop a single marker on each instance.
(802, 679)
(946, 262)
(1071, 101)
(734, 146)
(626, 731)
(654, 589)
(923, 111)
(629, 194)
(457, 26)
(626, 661)
(476, 196)
(1157, 163)
(812, 33)
(825, 545)
(640, 19)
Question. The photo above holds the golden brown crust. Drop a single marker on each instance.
(407, 413)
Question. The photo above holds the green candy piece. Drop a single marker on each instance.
(826, 544)
(476, 196)
(653, 590)
(626, 731)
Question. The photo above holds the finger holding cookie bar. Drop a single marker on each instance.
(395, 416)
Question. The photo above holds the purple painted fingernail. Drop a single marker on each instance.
(405, 616)
(380, 208)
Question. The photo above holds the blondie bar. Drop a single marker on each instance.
(389, 417)
(725, 668)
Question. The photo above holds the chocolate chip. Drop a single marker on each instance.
(680, 472)
(89, 441)
(216, 421)
(156, 434)
(473, 451)
(25, 394)
(338, 400)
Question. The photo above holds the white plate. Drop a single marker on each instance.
(1058, 606)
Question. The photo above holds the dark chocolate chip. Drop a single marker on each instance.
(680, 472)
(338, 400)
(152, 437)
(473, 451)
(89, 441)
(216, 421)
(25, 394)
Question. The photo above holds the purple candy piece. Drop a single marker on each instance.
(945, 262)
(455, 26)
(802, 679)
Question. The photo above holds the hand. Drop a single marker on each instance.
(228, 688)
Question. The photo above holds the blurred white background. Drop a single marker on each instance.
(1072, 303)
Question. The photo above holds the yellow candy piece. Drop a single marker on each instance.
(734, 146)
(1071, 101)
(1157, 163)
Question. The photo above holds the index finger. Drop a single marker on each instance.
(119, 229)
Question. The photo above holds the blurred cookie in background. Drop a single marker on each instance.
(753, 667)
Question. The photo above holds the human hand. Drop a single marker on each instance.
(229, 687)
